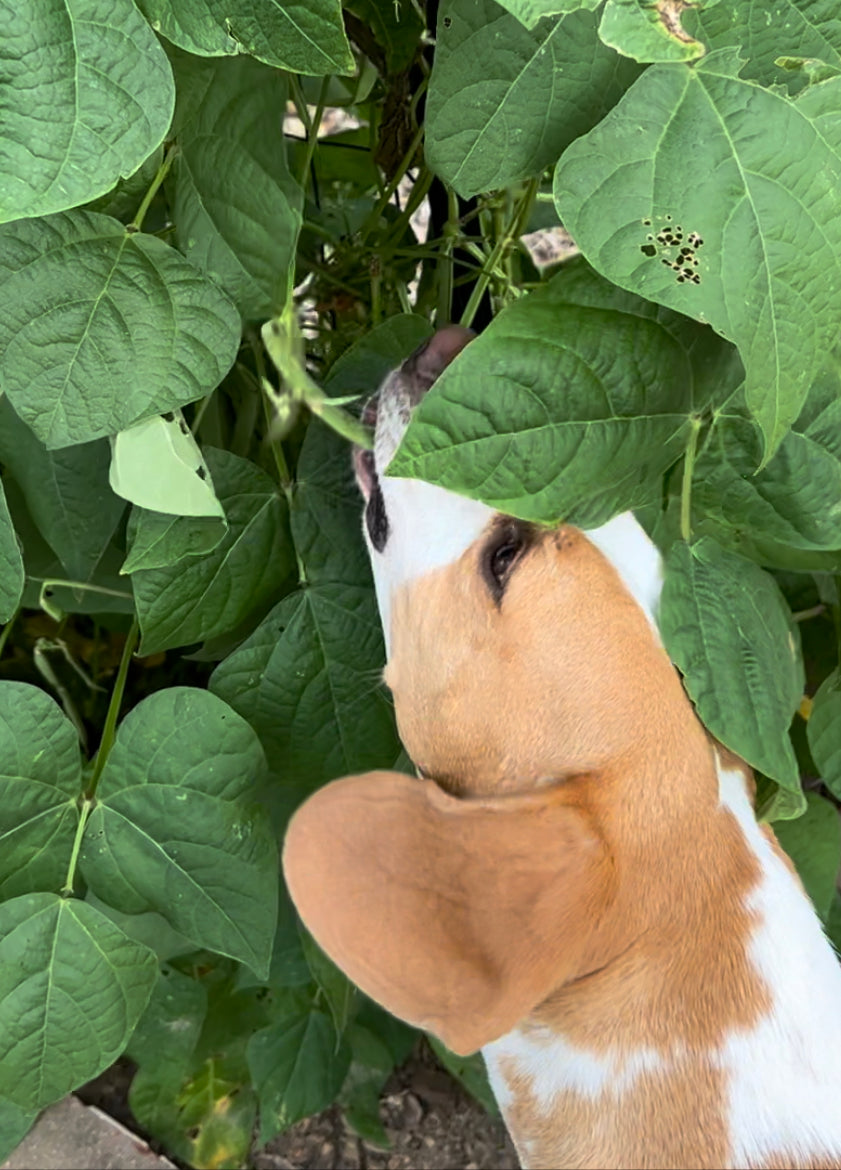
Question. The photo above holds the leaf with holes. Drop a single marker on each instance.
(824, 732)
(504, 101)
(297, 1068)
(175, 828)
(72, 988)
(88, 95)
(541, 419)
(237, 208)
(303, 36)
(721, 199)
(40, 780)
(766, 32)
(729, 631)
(67, 493)
(210, 594)
(102, 327)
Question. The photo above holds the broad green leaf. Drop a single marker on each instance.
(289, 966)
(169, 1029)
(529, 12)
(751, 244)
(103, 327)
(504, 101)
(543, 419)
(728, 629)
(66, 492)
(237, 208)
(72, 988)
(157, 464)
(824, 731)
(15, 1123)
(297, 1068)
(768, 31)
(361, 369)
(87, 96)
(370, 1067)
(470, 1071)
(208, 595)
(11, 563)
(124, 200)
(304, 36)
(647, 31)
(813, 842)
(40, 779)
(796, 499)
(175, 828)
(157, 541)
(307, 680)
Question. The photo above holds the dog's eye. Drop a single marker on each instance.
(500, 556)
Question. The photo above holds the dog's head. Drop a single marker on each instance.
(528, 681)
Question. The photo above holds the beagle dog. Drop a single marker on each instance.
(576, 883)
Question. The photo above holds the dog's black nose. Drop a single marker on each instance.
(431, 359)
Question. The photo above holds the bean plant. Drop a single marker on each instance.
(220, 226)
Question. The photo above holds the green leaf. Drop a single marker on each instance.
(338, 991)
(796, 499)
(307, 680)
(763, 32)
(541, 419)
(168, 1030)
(728, 629)
(297, 1069)
(72, 988)
(157, 464)
(15, 1123)
(362, 368)
(88, 95)
(504, 102)
(237, 208)
(11, 563)
(175, 828)
(304, 36)
(824, 731)
(156, 541)
(103, 327)
(371, 1065)
(396, 27)
(470, 1071)
(529, 12)
(813, 842)
(67, 493)
(40, 779)
(648, 31)
(209, 595)
(752, 243)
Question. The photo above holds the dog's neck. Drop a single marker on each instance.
(712, 1034)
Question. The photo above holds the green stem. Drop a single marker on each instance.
(312, 130)
(109, 731)
(405, 162)
(50, 583)
(279, 455)
(510, 236)
(84, 813)
(163, 170)
(7, 629)
(686, 487)
(417, 195)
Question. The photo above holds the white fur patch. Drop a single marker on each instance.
(784, 1074)
(636, 559)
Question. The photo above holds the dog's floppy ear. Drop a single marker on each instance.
(459, 916)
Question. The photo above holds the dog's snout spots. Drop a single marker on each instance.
(376, 519)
